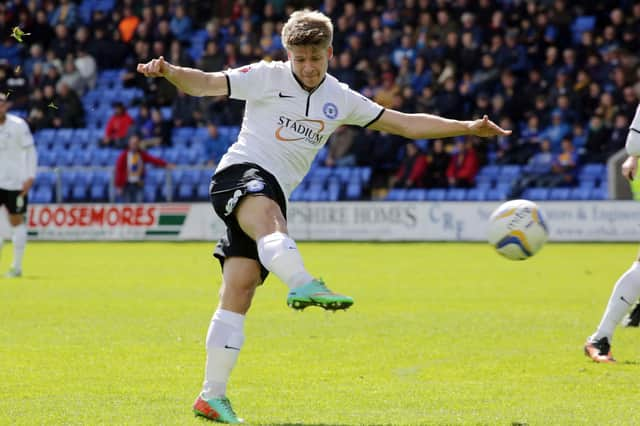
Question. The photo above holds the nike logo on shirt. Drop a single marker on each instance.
(231, 347)
(284, 96)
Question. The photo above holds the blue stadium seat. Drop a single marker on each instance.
(491, 170)
(98, 192)
(536, 193)
(580, 193)
(185, 192)
(42, 195)
(64, 136)
(485, 181)
(79, 191)
(560, 194)
(456, 194)
(297, 194)
(44, 137)
(496, 194)
(509, 172)
(353, 191)
(202, 191)
(396, 194)
(437, 194)
(599, 193)
(477, 194)
(150, 193)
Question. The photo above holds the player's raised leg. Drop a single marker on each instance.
(225, 337)
(279, 253)
(625, 294)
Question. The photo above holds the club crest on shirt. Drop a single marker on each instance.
(330, 110)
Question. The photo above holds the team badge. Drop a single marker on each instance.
(255, 185)
(330, 110)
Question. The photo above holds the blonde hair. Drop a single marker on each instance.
(307, 27)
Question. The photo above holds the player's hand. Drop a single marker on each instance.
(26, 186)
(486, 128)
(154, 68)
(630, 167)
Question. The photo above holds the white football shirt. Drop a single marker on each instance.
(18, 159)
(284, 125)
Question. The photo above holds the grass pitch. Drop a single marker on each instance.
(113, 333)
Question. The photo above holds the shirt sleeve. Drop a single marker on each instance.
(248, 82)
(362, 111)
(26, 138)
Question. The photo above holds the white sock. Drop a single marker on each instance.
(279, 254)
(19, 243)
(624, 296)
(224, 340)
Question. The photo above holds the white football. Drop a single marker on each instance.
(518, 229)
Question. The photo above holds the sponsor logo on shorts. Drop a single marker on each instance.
(255, 185)
(231, 204)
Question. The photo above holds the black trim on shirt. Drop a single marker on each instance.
(375, 119)
(310, 92)
(228, 84)
(637, 131)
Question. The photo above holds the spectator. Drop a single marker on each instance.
(72, 78)
(159, 131)
(438, 162)
(412, 169)
(117, 127)
(65, 14)
(597, 139)
(181, 24)
(341, 148)
(69, 111)
(186, 111)
(130, 168)
(212, 60)
(537, 170)
(212, 145)
(463, 165)
(128, 24)
(564, 165)
(86, 66)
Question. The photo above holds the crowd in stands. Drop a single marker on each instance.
(562, 74)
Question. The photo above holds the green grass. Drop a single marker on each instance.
(112, 333)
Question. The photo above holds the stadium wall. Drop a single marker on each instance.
(357, 221)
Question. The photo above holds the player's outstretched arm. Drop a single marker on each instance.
(192, 81)
(426, 126)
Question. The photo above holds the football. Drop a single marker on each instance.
(518, 229)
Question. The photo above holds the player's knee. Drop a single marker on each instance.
(272, 245)
(16, 219)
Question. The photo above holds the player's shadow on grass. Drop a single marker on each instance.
(632, 362)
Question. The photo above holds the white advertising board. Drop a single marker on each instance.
(344, 221)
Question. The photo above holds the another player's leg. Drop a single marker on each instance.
(225, 338)
(262, 219)
(625, 294)
(19, 243)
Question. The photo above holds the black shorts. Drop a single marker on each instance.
(12, 200)
(228, 186)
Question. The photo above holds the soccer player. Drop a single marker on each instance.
(627, 289)
(291, 110)
(18, 162)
